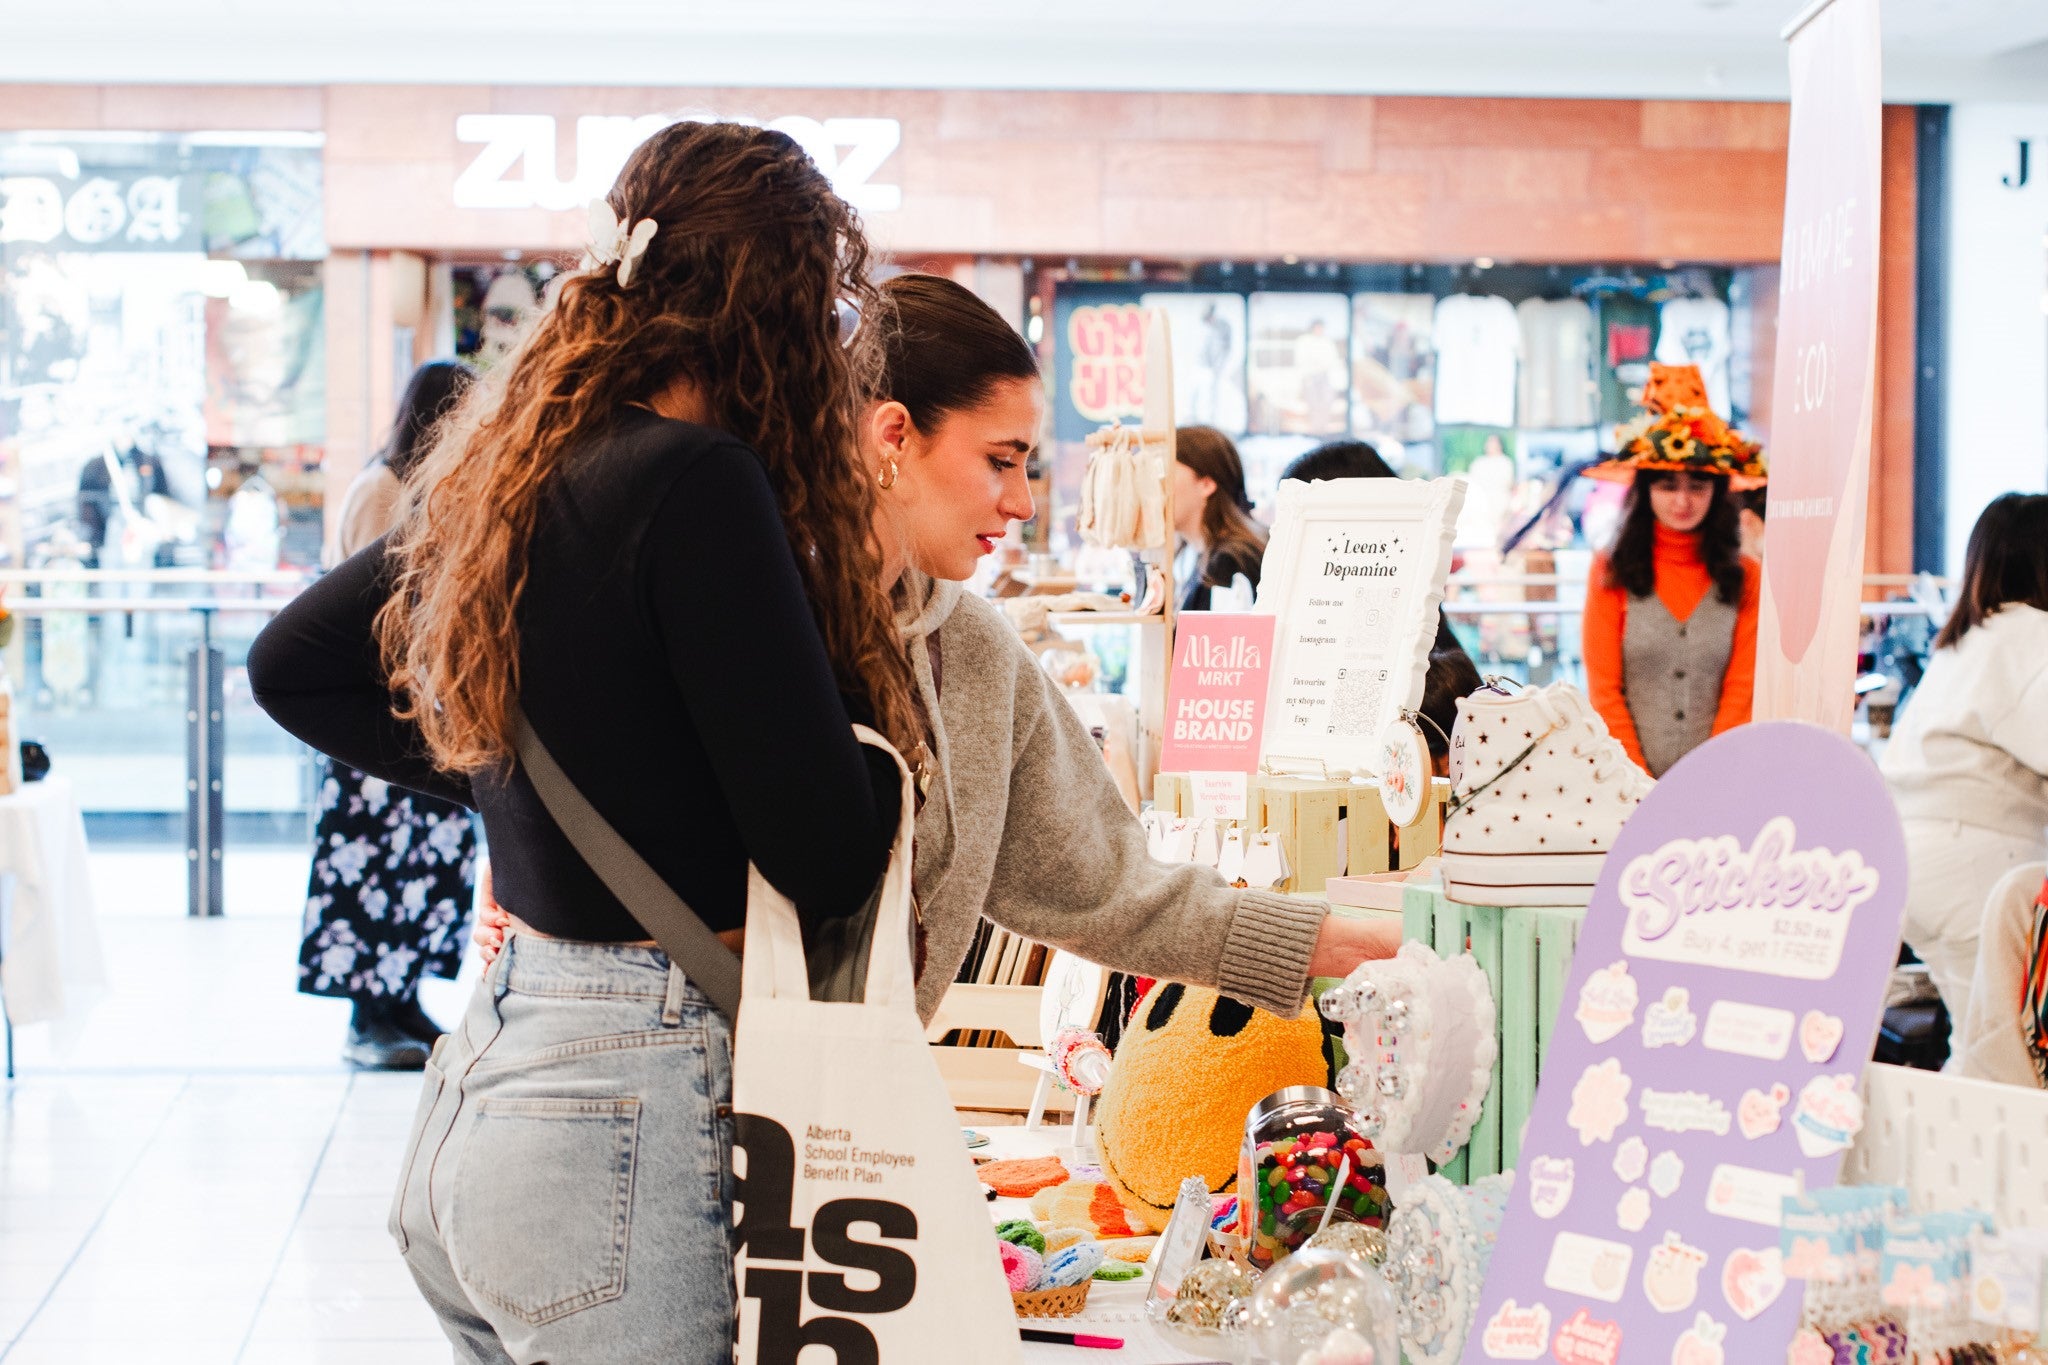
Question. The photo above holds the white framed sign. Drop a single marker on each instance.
(1355, 573)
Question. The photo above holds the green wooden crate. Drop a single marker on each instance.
(1526, 955)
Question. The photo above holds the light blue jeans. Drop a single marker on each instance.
(567, 1188)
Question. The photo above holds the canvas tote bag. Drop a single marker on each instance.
(860, 1225)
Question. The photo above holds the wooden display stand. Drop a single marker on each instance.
(1526, 954)
(988, 1077)
(1015, 1077)
(1327, 828)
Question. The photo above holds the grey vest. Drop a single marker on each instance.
(1671, 672)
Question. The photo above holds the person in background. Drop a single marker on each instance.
(1452, 675)
(1671, 608)
(1219, 541)
(393, 870)
(2004, 1037)
(370, 506)
(1339, 460)
(1753, 510)
(1968, 760)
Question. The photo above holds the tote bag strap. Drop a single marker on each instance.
(687, 940)
(773, 965)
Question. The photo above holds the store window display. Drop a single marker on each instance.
(1478, 347)
(1671, 607)
(1221, 547)
(1695, 331)
(1968, 759)
(1557, 387)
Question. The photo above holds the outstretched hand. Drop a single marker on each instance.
(1345, 942)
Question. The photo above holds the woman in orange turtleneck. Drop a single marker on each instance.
(1670, 623)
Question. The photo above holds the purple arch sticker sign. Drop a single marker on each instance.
(1725, 994)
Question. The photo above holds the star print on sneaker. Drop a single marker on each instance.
(1544, 755)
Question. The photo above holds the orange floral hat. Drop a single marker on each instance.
(1681, 433)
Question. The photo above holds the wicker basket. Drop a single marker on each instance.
(1052, 1303)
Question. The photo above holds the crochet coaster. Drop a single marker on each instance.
(1021, 1178)
(1084, 1203)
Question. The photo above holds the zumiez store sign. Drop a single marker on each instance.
(516, 168)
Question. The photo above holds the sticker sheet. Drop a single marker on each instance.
(1727, 987)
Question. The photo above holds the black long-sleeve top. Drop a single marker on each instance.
(670, 662)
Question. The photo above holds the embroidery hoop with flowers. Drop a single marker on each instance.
(1679, 432)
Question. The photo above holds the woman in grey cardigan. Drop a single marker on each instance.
(1022, 821)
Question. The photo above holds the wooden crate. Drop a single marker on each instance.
(987, 1077)
(1327, 828)
(1526, 954)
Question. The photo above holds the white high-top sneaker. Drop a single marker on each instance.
(1539, 792)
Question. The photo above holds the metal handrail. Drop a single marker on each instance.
(1551, 580)
(1872, 609)
(273, 578)
(119, 606)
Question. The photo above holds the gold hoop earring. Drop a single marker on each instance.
(887, 477)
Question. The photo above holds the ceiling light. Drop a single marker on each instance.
(1291, 260)
(1482, 263)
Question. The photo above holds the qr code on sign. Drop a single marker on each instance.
(1355, 708)
(1373, 610)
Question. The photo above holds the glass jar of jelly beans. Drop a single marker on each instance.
(1299, 1144)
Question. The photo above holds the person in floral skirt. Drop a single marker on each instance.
(394, 872)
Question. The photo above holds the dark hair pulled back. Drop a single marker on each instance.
(430, 395)
(944, 350)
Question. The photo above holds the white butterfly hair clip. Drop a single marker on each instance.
(613, 242)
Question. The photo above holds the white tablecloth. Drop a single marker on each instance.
(51, 966)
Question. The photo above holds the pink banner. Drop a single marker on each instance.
(1825, 385)
(1216, 698)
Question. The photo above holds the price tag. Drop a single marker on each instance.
(1220, 796)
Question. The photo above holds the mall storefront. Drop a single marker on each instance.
(431, 218)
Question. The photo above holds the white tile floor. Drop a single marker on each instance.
(197, 1180)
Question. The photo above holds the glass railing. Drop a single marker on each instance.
(136, 683)
(102, 665)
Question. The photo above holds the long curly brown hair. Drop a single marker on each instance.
(738, 293)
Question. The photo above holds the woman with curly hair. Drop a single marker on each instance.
(650, 530)
(1671, 609)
